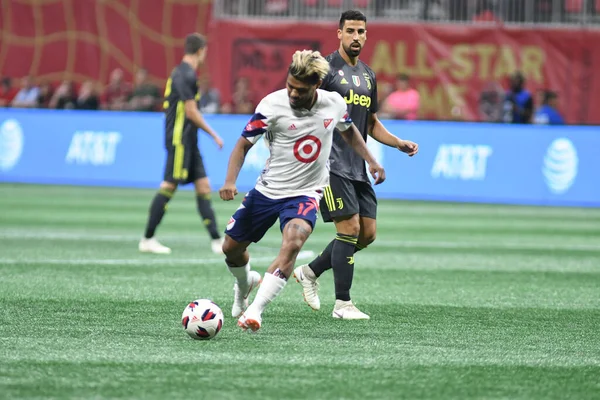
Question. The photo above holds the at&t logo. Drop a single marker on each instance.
(560, 165)
(11, 144)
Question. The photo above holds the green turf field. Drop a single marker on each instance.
(467, 302)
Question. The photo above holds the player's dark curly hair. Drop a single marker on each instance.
(352, 15)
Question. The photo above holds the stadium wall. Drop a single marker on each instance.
(465, 162)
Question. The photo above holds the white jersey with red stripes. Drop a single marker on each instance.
(299, 143)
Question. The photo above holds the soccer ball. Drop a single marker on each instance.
(202, 319)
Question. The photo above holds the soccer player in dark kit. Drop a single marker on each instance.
(184, 161)
(350, 200)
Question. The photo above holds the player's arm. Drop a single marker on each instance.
(194, 115)
(252, 132)
(379, 132)
(236, 161)
(185, 87)
(355, 140)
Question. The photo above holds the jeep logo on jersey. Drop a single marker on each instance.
(356, 99)
(307, 149)
(356, 80)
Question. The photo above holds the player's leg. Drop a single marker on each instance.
(367, 202)
(297, 221)
(339, 204)
(158, 207)
(203, 201)
(237, 259)
(368, 230)
(248, 224)
(368, 213)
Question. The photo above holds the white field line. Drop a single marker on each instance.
(466, 245)
(303, 255)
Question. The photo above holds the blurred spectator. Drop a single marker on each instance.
(7, 92)
(145, 96)
(210, 99)
(384, 89)
(404, 102)
(491, 102)
(64, 97)
(540, 96)
(518, 103)
(484, 12)
(548, 113)
(87, 99)
(117, 92)
(28, 95)
(242, 102)
(44, 95)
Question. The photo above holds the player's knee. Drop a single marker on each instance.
(348, 226)
(170, 186)
(291, 247)
(202, 186)
(231, 248)
(367, 238)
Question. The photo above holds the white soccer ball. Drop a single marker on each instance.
(202, 319)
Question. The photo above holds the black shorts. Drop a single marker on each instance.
(344, 197)
(184, 164)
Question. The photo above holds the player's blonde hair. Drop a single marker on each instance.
(308, 66)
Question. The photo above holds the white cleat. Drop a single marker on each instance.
(240, 297)
(216, 245)
(347, 310)
(152, 245)
(250, 321)
(310, 287)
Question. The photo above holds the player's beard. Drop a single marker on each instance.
(353, 52)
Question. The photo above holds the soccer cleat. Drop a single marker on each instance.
(347, 310)
(250, 321)
(216, 245)
(310, 287)
(240, 298)
(152, 245)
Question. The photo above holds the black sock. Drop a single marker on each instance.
(208, 215)
(157, 211)
(323, 261)
(342, 262)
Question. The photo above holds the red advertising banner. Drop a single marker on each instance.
(450, 65)
(77, 40)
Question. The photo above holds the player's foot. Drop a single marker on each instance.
(216, 245)
(347, 310)
(250, 321)
(152, 245)
(240, 297)
(310, 287)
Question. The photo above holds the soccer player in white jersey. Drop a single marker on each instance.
(298, 124)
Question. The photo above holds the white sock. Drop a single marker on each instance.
(241, 275)
(270, 288)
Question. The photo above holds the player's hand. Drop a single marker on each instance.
(377, 172)
(408, 147)
(218, 141)
(228, 191)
